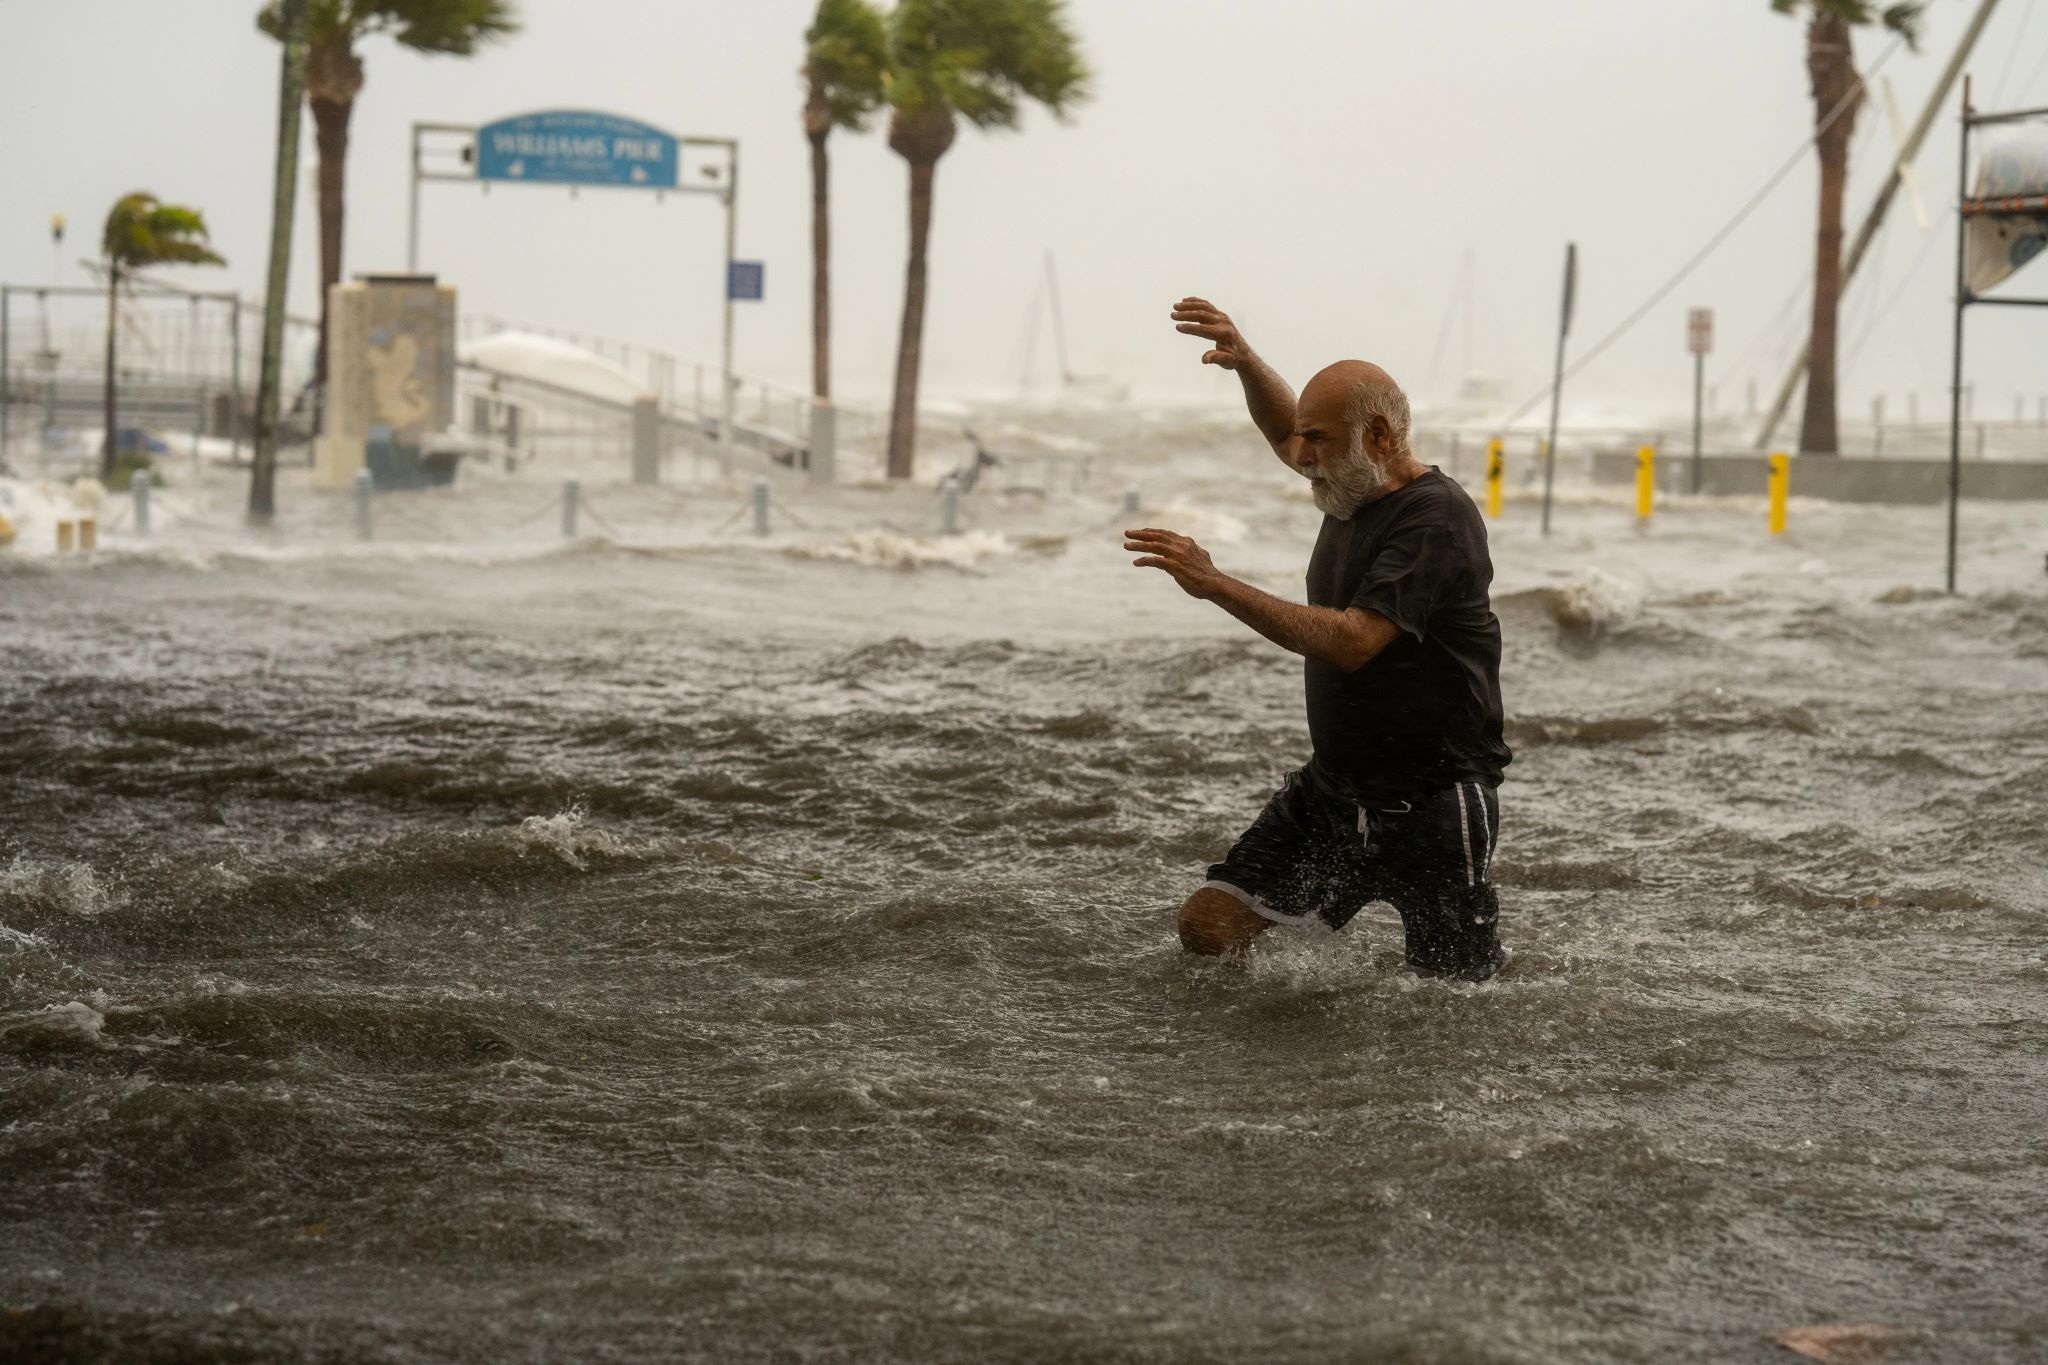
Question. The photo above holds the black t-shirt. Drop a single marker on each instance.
(1425, 712)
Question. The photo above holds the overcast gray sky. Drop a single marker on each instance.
(1320, 167)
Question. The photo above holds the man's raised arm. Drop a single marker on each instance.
(1266, 394)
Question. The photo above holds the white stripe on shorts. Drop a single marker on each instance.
(1485, 832)
(1465, 832)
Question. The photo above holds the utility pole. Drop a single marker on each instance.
(1564, 327)
(284, 198)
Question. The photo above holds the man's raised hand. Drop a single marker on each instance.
(1201, 318)
(1188, 562)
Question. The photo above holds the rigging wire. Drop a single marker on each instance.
(1713, 243)
(2012, 52)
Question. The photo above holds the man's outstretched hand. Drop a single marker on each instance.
(1201, 318)
(1188, 562)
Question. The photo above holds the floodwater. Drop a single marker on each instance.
(761, 948)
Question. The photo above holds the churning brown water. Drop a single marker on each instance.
(762, 950)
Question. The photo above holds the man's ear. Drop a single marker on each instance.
(1379, 433)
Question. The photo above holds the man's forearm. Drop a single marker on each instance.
(1269, 399)
(1316, 632)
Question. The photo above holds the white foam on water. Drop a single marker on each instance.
(75, 1020)
(1201, 523)
(891, 550)
(55, 883)
(22, 941)
(564, 835)
(1595, 602)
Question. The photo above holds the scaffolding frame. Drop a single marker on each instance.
(1967, 208)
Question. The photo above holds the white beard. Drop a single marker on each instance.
(1351, 483)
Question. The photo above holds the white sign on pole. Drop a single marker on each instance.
(1699, 331)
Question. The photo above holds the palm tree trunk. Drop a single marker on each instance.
(821, 269)
(113, 324)
(330, 129)
(284, 198)
(910, 349)
(1831, 65)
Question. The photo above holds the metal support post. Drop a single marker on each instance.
(949, 515)
(138, 491)
(1699, 377)
(760, 507)
(1564, 327)
(1955, 390)
(5, 385)
(572, 493)
(412, 211)
(234, 379)
(725, 394)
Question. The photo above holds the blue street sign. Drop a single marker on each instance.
(743, 279)
(576, 147)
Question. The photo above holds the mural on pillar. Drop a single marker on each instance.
(392, 384)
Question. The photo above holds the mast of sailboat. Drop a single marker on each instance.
(1059, 322)
(1901, 167)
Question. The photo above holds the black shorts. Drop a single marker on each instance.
(1313, 855)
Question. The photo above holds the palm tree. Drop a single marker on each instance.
(1837, 97)
(141, 232)
(284, 199)
(949, 60)
(334, 77)
(846, 50)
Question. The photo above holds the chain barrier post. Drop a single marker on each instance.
(1130, 502)
(760, 507)
(362, 504)
(1781, 486)
(1646, 482)
(571, 495)
(949, 516)
(138, 488)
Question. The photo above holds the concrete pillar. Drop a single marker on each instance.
(646, 439)
(824, 440)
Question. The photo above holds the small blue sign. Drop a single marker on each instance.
(576, 147)
(743, 279)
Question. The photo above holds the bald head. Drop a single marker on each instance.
(1351, 433)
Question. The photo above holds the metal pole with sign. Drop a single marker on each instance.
(1699, 339)
(581, 148)
(725, 393)
(1564, 327)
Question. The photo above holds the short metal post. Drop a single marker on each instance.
(760, 507)
(949, 516)
(572, 494)
(1130, 502)
(362, 504)
(138, 490)
(1877, 422)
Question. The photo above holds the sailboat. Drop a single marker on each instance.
(1091, 387)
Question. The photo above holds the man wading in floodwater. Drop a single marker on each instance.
(1403, 671)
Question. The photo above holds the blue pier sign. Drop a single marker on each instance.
(576, 147)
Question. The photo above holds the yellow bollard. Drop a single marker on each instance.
(64, 530)
(88, 534)
(1781, 485)
(1646, 481)
(1496, 473)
